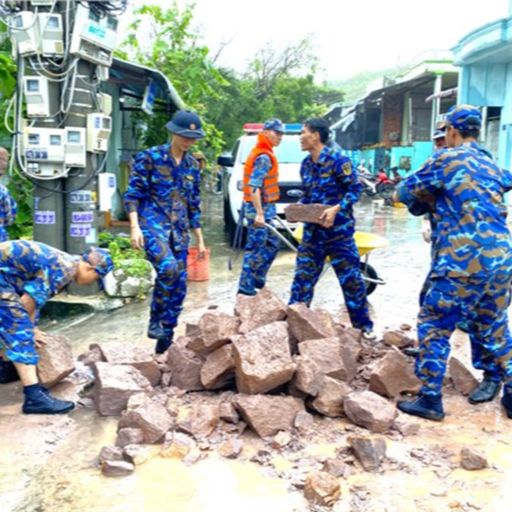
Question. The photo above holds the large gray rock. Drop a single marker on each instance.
(370, 451)
(307, 324)
(308, 377)
(264, 308)
(219, 368)
(114, 385)
(369, 410)
(267, 415)
(216, 329)
(55, 360)
(185, 366)
(394, 375)
(327, 353)
(310, 213)
(463, 380)
(131, 355)
(151, 417)
(262, 359)
(329, 400)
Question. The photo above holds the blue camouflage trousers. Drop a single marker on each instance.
(3, 234)
(170, 286)
(480, 358)
(260, 252)
(344, 258)
(482, 304)
(17, 332)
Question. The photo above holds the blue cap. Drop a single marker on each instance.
(186, 124)
(99, 259)
(464, 117)
(274, 124)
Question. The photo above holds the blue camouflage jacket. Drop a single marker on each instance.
(8, 209)
(166, 196)
(466, 189)
(330, 181)
(34, 268)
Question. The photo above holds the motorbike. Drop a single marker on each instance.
(368, 183)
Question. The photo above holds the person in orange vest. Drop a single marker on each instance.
(261, 192)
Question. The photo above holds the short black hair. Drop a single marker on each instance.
(320, 126)
(473, 133)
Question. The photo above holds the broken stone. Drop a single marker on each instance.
(370, 452)
(472, 459)
(397, 339)
(263, 359)
(308, 377)
(151, 417)
(192, 330)
(127, 436)
(217, 329)
(137, 454)
(281, 439)
(228, 413)
(117, 353)
(110, 453)
(199, 421)
(463, 380)
(262, 309)
(321, 488)
(335, 467)
(193, 456)
(177, 446)
(231, 448)
(219, 368)
(394, 375)
(307, 324)
(326, 353)
(185, 366)
(303, 421)
(166, 379)
(114, 386)
(267, 415)
(55, 360)
(406, 428)
(117, 468)
(92, 356)
(329, 401)
(311, 213)
(369, 410)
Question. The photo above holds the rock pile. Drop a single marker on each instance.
(264, 367)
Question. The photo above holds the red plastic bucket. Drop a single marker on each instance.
(198, 269)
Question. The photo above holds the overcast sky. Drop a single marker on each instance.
(348, 36)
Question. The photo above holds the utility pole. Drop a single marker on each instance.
(64, 51)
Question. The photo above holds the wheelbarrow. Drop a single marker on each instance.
(365, 242)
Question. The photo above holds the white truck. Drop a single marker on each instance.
(289, 156)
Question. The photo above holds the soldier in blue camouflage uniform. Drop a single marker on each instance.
(30, 274)
(471, 271)
(7, 202)
(163, 203)
(328, 178)
(489, 387)
(262, 245)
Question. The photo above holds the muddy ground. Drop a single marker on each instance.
(49, 463)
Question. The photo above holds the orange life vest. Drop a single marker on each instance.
(270, 191)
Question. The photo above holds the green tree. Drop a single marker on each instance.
(174, 49)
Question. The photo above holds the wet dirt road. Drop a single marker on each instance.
(48, 464)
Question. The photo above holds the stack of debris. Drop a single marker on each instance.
(263, 367)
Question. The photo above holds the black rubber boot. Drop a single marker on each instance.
(163, 344)
(506, 402)
(39, 401)
(486, 391)
(424, 406)
(8, 372)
